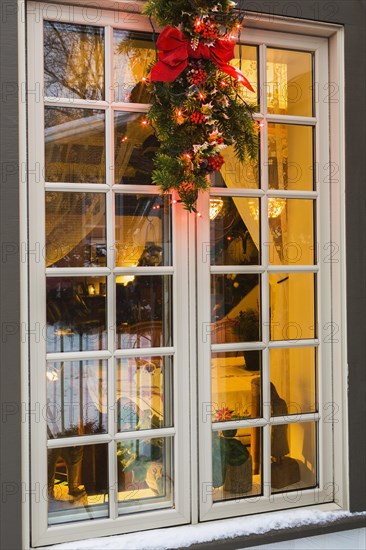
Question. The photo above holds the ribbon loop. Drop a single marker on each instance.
(175, 50)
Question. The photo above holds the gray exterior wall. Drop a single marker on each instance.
(351, 13)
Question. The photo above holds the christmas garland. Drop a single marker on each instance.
(197, 109)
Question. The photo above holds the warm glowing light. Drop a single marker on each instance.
(174, 201)
(215, 207)
(275, 208)
(199, 215)
(144, 79)
(52, 375)
(201, 96)
(180, 113)
(124, 139)
(144, 122)
(223, 83)
(125, 279)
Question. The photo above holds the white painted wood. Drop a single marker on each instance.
(191, 363)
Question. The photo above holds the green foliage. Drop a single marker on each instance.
(226, 452)
(201, 112)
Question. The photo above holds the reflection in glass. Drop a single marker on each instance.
(289, 82)
(74, 145)
(77, 483)
(235, 174)
(293, 375)
(236, 385)
(234, 231)
(236, 463)
(235, 307)
(292, 306)
(290, 157)
(145, 474)
(246, 60)
(76, 314)
(133, 54)
(143, 305)
(143, 230)
(76, 398)
(144, 393)
(73, 60)
(293, 450)
(135, 147)
(291, 232)
(75, 230)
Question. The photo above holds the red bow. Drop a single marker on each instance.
(175, 49)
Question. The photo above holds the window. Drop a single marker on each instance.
(159, 326)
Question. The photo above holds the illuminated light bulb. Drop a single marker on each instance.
(174, 202)
(238, 26)
(215, 208)
(52, 375)
(180, 113)
(144, 122)
(275, 208)
(124, 139)
(223, 83)
(199, 215)
(144, 79)
(201, 96)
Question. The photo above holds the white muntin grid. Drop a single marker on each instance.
(190, 305)
(320, 196)
(161, 514)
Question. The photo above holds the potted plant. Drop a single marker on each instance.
(232, 463)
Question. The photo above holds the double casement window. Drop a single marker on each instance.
(184, 366)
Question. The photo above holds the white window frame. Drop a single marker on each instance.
(324, 492)
(33, 503)
(42, 533)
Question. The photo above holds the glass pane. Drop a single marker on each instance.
(134, 52)
(294, 456)
(143, 305)
(76, 314)
(290, 157)
(290, 82)
(291, 231)
(293, 381)
(236, 463)
(235, 174)
(144, 393)
(292, 305)
(235, 308)
(143, 230)
(75, 230)
(246, 60)
(74, 145)
(236, 385)
(77, 483)
(135, 147)
(76, 398)
(145, 474)
(73, 61)
(235, 231)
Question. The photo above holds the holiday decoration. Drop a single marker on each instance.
(197, 109)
